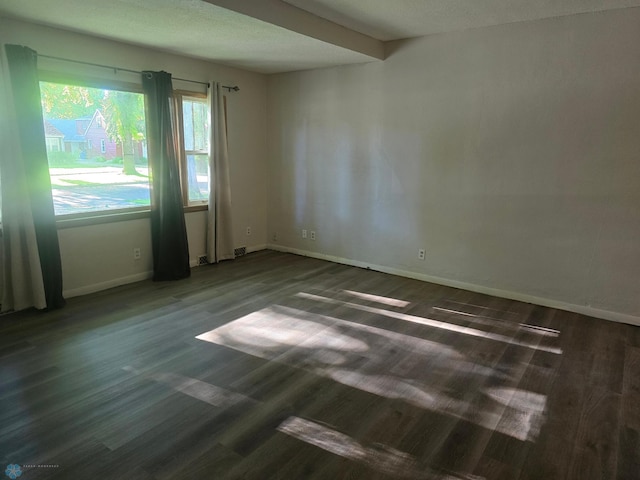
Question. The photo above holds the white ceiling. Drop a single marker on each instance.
(271, 36)
(396, 19)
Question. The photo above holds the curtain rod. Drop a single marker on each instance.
(235, 88)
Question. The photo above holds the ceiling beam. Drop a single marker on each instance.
(290, 17)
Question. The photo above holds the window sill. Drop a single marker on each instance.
(196, 208)
(99, 218)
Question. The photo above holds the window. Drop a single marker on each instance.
(53, 144)
(194, 161)
(84, 180)
(98, 154)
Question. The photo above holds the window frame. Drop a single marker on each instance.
(72, 220)
(180, 96)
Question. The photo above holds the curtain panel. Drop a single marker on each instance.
(32, 265)
(168, 230)
(219, 224)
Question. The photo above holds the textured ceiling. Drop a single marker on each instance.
(396, 19)
(275, 36)
(189, 27)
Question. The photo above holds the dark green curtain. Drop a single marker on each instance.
(25, 87)
(168, 231)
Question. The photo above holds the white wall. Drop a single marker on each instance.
(511, 154)
(99, 256)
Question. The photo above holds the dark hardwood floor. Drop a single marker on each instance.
(277, 366)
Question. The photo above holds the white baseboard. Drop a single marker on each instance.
(257, 248)
(116, 282)
(521, 297)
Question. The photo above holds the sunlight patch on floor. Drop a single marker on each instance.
(433, 323)
(506, 324)
(203, 391)
(378, 457)
(516, 413)
(392, 302)
(273, 329)
(381, 458)
(547, 332)
(457, 312)
(390, 365)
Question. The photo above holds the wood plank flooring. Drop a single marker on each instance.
(276, 366)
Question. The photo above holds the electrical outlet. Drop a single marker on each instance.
(304, 233)
(274, 237)
(313, 234)
(248, 231)
(136, 254)
(421, 254)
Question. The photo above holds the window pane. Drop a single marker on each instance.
(187, 121)
(96, 148)
(196, 145)
(198, 175)
(196, 125)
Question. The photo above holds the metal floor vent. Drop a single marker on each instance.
(202, 260)
(240, 251)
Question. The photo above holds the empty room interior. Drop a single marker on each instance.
(317, 239)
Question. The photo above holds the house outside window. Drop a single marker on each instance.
(103, 146)
(53, 138)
